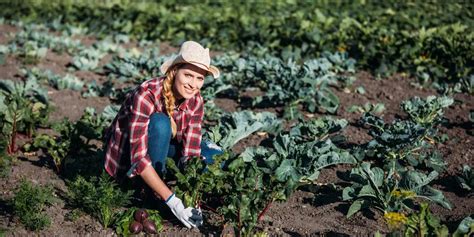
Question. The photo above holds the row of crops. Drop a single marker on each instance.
(431, 40)
(296, 58)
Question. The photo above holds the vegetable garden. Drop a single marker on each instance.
(337, 118)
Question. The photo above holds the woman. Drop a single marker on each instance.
(162, 118)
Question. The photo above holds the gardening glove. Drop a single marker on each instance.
(190, 217)
(197, 216)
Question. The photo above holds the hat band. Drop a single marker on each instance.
(193, 62)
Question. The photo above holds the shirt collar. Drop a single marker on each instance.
(184, 105)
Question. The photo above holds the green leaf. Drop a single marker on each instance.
(367, 191)
(375, 175)
(465, 228)
(287, 171)
(348, 193)
(356, 206)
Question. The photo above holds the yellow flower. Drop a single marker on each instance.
(403, 194)
(395, 220)
(341, 48)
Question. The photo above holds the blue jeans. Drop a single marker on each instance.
(161, 146)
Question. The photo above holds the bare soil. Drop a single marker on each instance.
(311, 211)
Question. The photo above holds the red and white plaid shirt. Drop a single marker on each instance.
(127, 136)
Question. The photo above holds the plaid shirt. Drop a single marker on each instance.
(127, 136)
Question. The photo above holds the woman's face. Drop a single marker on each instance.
(188, 81)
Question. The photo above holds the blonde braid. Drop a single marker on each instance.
(168, 96)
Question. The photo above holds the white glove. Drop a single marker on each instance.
(190, 217)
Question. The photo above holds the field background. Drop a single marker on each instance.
(390, 52)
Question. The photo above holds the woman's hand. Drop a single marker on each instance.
(189, 216)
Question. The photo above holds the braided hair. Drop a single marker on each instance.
(169, 97)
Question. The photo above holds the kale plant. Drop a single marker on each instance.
(401, 144)
(134, 68)
(288, 82)
(238, 125)
(390, 191)
(426, 112)
(465, 228)
(466, 179)
(260, 176)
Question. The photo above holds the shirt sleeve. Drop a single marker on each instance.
(142, 108)
(192, 135)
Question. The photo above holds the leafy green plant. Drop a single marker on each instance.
(212, 112)
(238, 125)
(287, 82)
(87, 60)
(198, 179)
(465, 228)
(5, 159)
(426, 112)
(74, 139)
(424, 223)
(471, 119)
(29, 205)
(466, 179)
(135, 68)
(377, 108)
(401, 144)
(99, 197)
(106, 89)
(31, 53)
(23, 105)
(67, 82)
(413, 37)
(261, 176)
(317, 129)
(467, 84)
(389, 191)
(33, 34)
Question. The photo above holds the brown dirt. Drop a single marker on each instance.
(10, 69)
(5, 33)
(308, 212)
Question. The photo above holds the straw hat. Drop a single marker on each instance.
(192, 52)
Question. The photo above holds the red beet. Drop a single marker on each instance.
(135, 227)
(140, 215)
(149, 226)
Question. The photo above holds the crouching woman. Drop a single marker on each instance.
(162, 118)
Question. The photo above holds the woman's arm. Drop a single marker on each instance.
(153, 180)
(141, 109)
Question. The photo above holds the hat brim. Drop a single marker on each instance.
(214, 71)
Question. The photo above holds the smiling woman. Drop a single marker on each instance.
(188, 81)
(162, 118)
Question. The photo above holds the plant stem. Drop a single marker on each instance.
(262, 213)
(240, 223)
(11, 146)
(203, 205)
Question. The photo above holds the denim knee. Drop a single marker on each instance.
(159, 136)
(159, 125)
